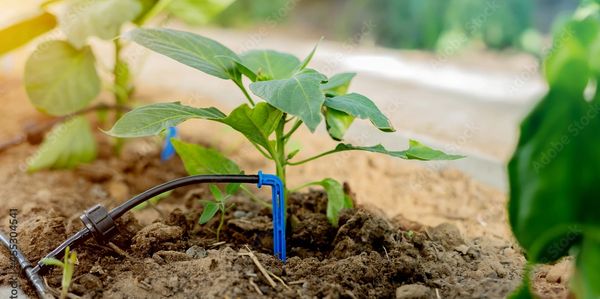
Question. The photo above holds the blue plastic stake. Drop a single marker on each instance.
(278, 212)
(168, 150)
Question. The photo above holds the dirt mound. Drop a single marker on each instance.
(366, 256)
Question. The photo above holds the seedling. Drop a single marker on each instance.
(218, 204)
(62, 76)
(68, 266)
(293, 95)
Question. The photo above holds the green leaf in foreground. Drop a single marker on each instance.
(152, 119)
(416, 151)
(21, 33)
(269, 64)
(255, 123)
(362, 107)
(338, 84)
(193, 50)
(299, 96)
(210, 210)
(60, 79)
(66, 146)
(201, 160)
(100, 18)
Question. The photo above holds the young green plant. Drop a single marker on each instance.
(62, 76)
(68, 266)
(218, 204)
(292, 95)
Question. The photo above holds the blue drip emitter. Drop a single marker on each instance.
(168, 150)
(278, 203)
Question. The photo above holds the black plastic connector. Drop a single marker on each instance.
(99, 222)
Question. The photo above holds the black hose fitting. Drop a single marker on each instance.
(99, 223)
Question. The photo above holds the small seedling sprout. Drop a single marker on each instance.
(68, 266)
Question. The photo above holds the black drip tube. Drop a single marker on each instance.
(100, 223)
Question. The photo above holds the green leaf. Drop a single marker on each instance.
(152, 119)
(21, 33)
(338, 84)
(52, 262)
(587, 274)
(310, 56)
(198, 12)
(336, 199)
(216, 192)
(360, 106)
(210, 210)
(60, 79)
(269, 64)
(338, 123)
(201, 160)
(299, 96)
(193, 50)
(66, 146)
(567, 66)
(416, 151)
(256, 123)
(100, 18)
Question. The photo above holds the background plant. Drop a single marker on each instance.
(554, 209)
(68, 266)
(294, 95)
(62, 76)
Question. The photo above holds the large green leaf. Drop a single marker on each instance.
(256, 123)
(66, 146)
(337, 200)
(585, 282)
(338, 84)
(152, 119)
(21, 33)
(338, 123)
(60, 79)
(201, 160)
(362, 107)
(416, 151)
(193, 50)
(299, 96)
(198, 12)
(100, 18)
(269, 64)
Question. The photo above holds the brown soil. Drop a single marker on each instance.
(460, 247)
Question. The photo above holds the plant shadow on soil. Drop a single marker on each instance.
(367, 256)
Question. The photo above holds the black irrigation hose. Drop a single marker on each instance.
(32, 275)
(100, 223)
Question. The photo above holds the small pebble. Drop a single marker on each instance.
(239, 214)
(196, 252)
(413, 291)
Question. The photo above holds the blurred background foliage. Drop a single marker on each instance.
(435, 25)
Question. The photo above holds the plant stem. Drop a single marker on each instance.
(254, 198)
(293, 130)
(303, 186)
(221, 222)
(241, 86)
(280, 151)
(258, 148)
(312, 158)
